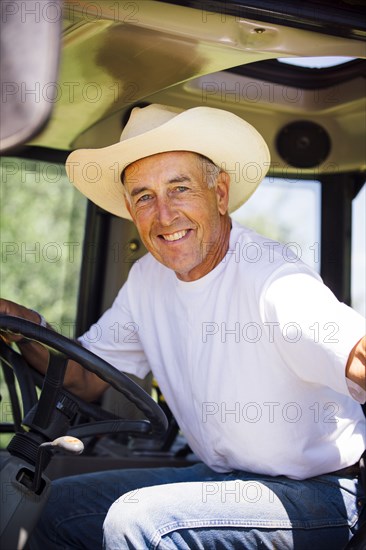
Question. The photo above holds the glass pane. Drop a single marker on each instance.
(316, 62)
(42, 225)
(358, 278)
(289, 212)
(41, 231)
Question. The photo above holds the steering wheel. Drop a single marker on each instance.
(55, 402)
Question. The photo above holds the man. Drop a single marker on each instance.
(267, 398)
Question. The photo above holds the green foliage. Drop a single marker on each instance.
(41, 228)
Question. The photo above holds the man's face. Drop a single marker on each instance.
(182, 222)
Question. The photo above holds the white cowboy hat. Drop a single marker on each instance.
(230, 142)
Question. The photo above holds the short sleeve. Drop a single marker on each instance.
(115, 338)
(314, 332)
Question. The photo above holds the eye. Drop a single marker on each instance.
(143, 198)
(181, 188)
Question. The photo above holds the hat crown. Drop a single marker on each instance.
(219, 135)
(144, 119)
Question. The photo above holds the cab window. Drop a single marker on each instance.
(42, 226)
(287, 211)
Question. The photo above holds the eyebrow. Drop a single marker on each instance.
(138, 190)
(179, 179)
(174, 179)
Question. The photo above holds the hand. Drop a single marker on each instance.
(11, 308)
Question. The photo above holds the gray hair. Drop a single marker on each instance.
(210, 170)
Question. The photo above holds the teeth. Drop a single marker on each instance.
(175, 236)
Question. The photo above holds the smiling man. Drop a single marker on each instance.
(272, 413)
(181, 220)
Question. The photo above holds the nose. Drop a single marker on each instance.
(166, 211)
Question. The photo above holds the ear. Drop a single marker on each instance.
(222, 191)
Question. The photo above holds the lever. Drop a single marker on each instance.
(66, 442)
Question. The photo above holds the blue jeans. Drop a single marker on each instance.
(196, 508)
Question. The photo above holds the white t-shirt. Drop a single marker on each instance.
(250, 358)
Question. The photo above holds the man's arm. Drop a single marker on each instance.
(356, 368)
(79, 381)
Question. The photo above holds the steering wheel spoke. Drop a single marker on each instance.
(54, 400)
(51, 388)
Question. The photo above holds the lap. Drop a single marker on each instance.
(241, 511)
(76, 509)
(166, 498)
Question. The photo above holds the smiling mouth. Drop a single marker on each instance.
(174, 236)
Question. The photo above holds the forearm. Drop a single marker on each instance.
(35, 354)
(83, 383)
(77, 379)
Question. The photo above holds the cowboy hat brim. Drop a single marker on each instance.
(230, 142)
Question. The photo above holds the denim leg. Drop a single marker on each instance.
(235, 511)
(74, 515)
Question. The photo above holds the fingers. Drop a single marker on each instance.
(8, 307)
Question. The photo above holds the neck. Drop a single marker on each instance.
(215, 254)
